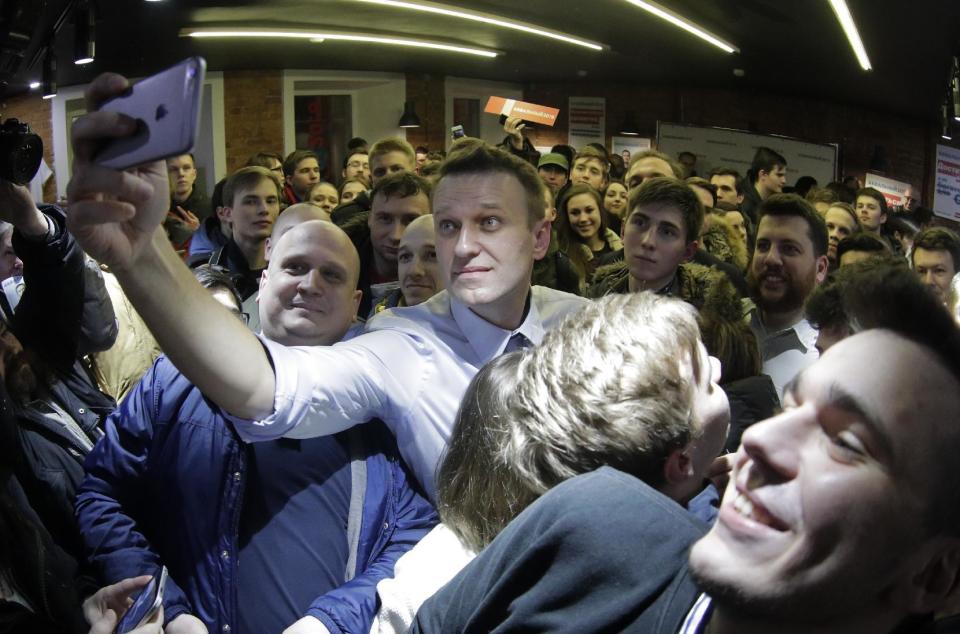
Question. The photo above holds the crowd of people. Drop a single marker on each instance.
(475, 390)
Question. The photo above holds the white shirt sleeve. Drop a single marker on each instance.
(418, 575)
(323, 390)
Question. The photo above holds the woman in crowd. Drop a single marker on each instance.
(325, 196)
(350, 189)
(615, 205)
(582, 230)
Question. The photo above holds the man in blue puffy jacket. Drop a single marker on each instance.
(256, 537)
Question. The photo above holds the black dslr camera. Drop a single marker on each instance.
(20, 152)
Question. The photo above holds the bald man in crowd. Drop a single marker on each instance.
(218, 506)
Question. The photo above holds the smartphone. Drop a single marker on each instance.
(167, 109)
(146, 605)
(457, 132)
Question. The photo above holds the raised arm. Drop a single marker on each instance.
(116, 217)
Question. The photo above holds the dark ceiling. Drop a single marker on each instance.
(787, 47)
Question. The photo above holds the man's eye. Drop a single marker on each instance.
(848, 444)
(404, 258)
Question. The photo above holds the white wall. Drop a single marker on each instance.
(377, 100)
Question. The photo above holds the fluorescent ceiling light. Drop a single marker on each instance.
(485, 18)
(678, 20)
(842, 11)
(315, 36)
(34, 85)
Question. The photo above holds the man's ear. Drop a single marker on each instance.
(678, 467)
(823, 267)
(931, 582)
(690, 250)
(263, 275)
(225, 214)
(357, 296)
(541, 238)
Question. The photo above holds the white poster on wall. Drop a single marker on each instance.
(892, 190)
(587, 121)
(722, 147)
(946, 197)
(627, 146)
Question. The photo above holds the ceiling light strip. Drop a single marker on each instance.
(488, 19)
(679, 21)
(317, 37)
(842, 12)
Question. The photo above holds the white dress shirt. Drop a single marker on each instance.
(785, 352)
(410, 368)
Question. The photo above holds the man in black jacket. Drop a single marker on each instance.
(63, 314)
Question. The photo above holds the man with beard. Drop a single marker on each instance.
(789, 261)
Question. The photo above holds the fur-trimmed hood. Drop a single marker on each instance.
(695, 284)
(723, 241)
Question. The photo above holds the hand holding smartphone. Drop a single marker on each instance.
(146, 605)
(166, 107)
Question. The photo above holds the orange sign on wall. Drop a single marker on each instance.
(526, 111)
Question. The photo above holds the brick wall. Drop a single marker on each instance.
(427, 93)
(253, 114)
(36, 111)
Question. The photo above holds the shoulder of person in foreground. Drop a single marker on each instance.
(600, 552)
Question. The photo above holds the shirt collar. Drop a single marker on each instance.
(800, 336)
(698, 616)
(487, 340)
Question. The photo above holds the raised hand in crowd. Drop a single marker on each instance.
(116, 216)
(19, 209)
(113, 214)
(514, 126)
